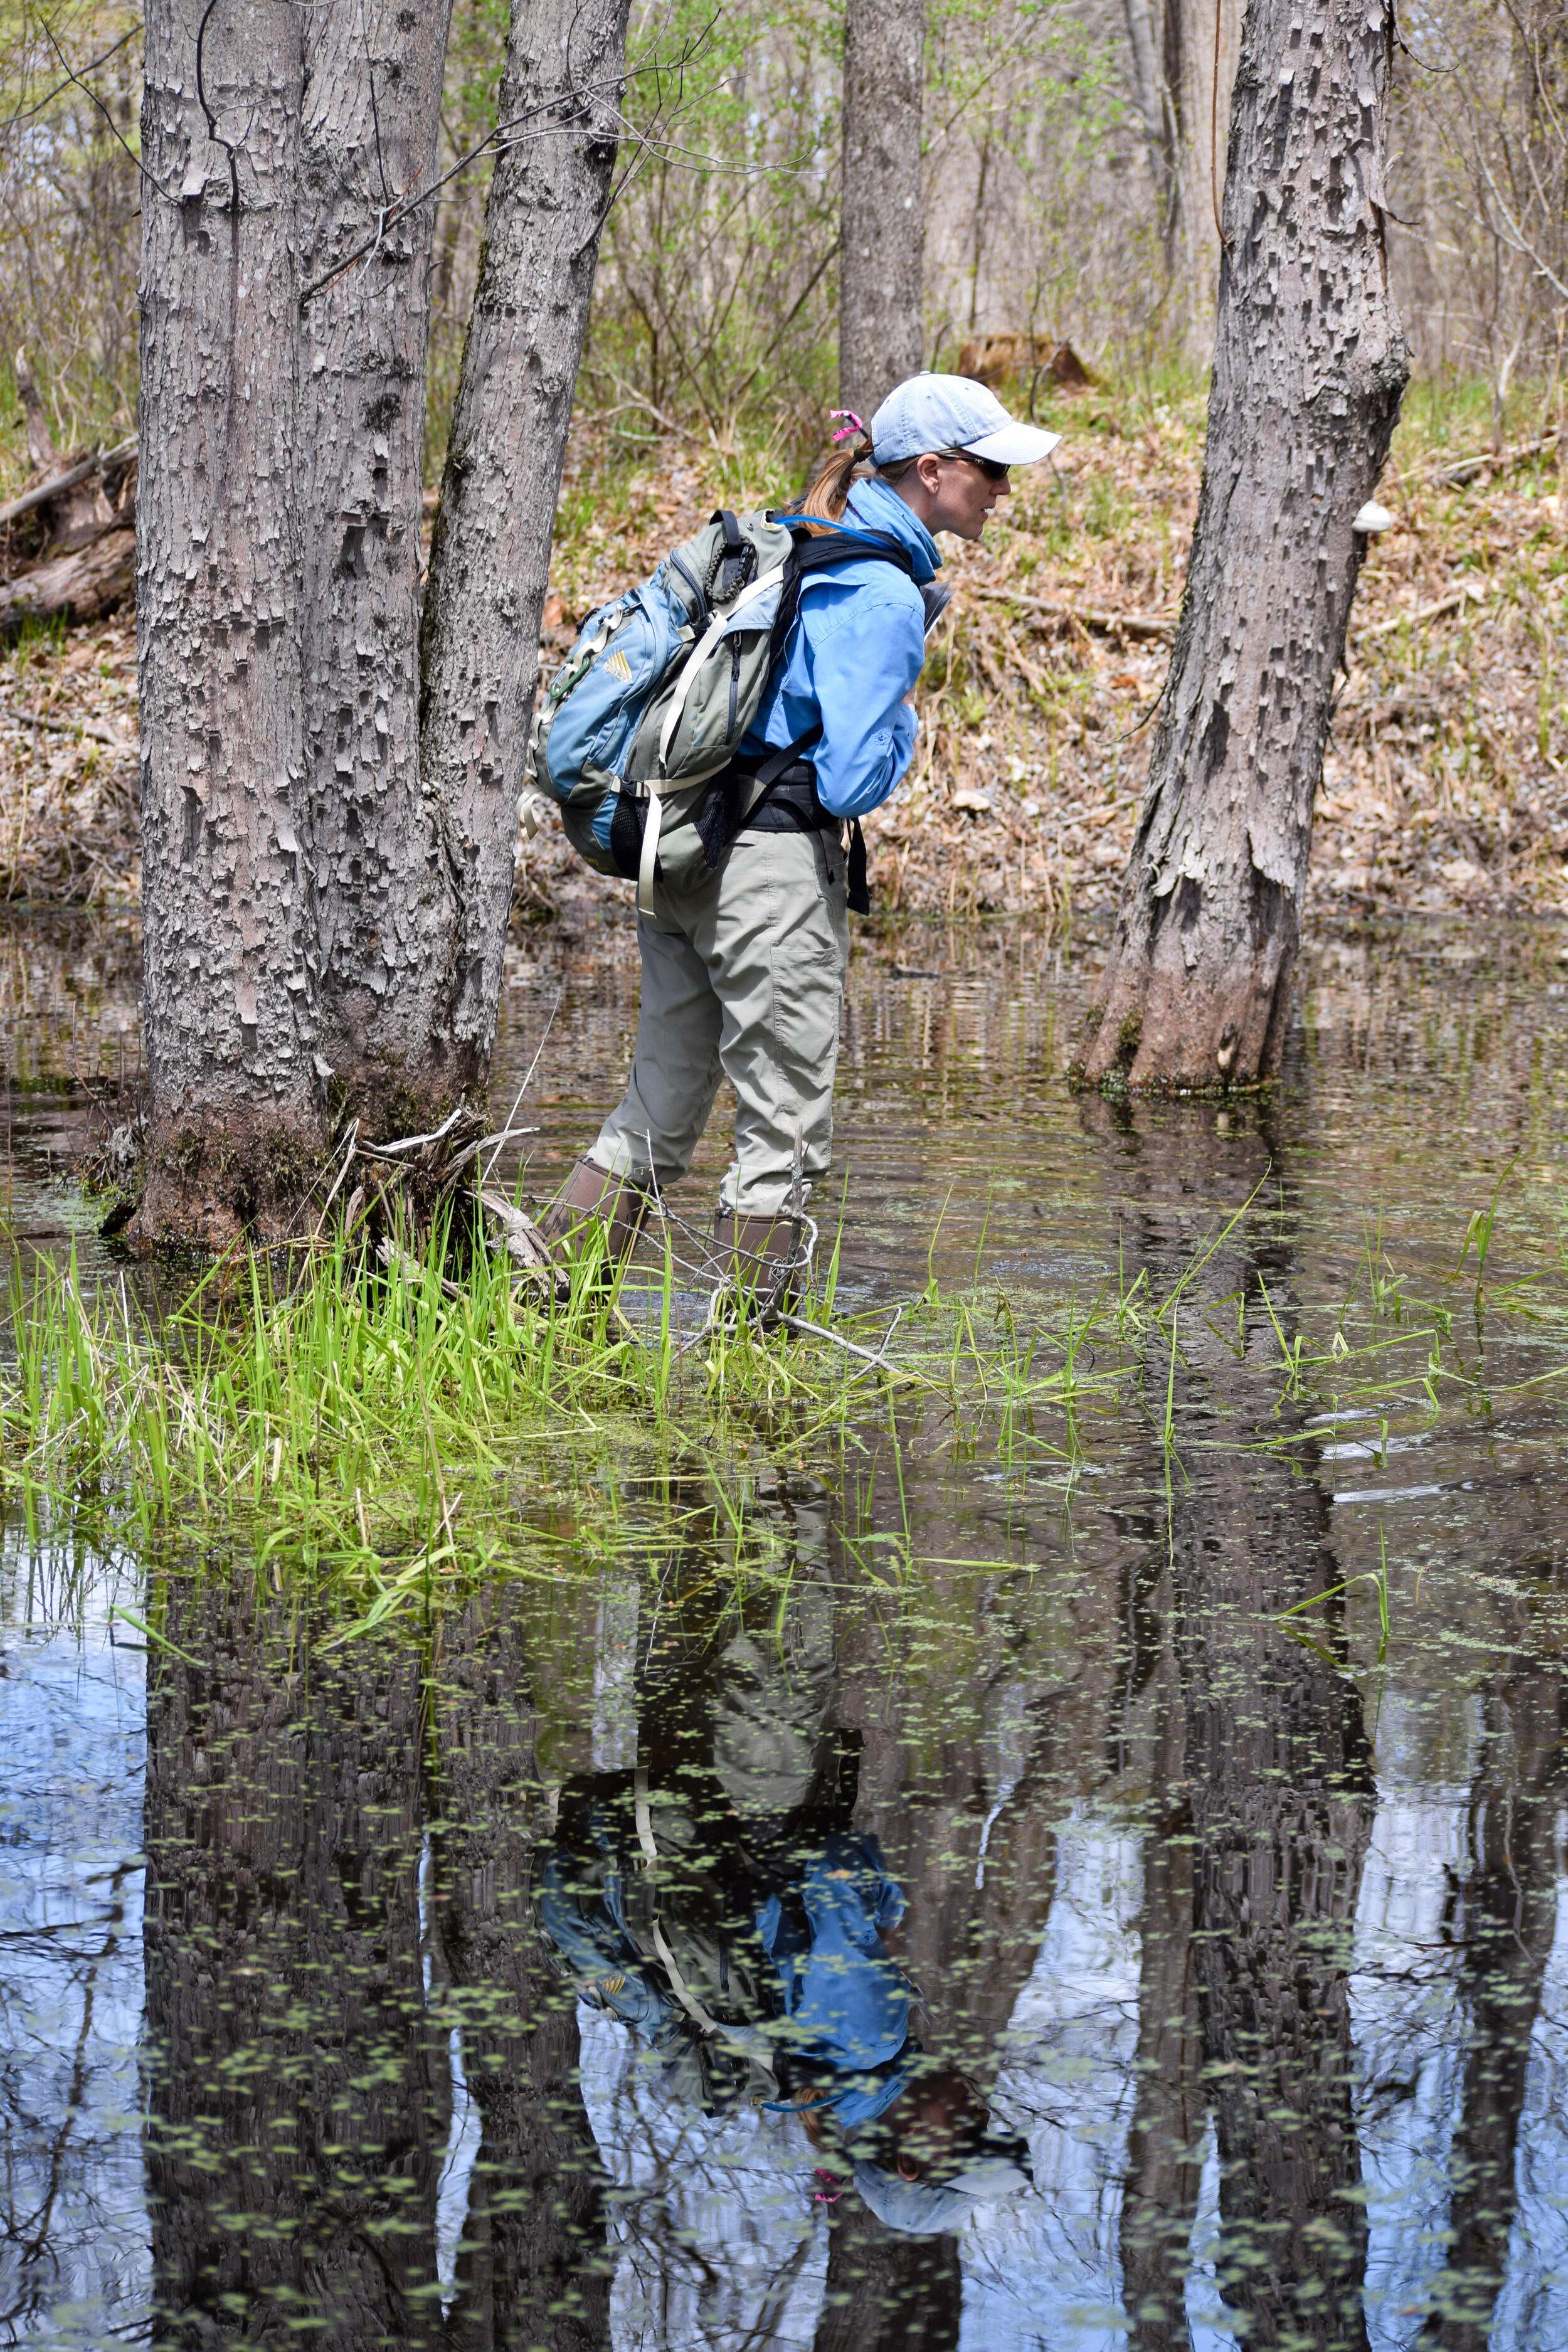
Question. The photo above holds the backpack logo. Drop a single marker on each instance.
(618, 667)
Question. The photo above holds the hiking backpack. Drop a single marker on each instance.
(636, 739)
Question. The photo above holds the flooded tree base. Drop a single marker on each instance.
(217, 1183)
(1154, 1037)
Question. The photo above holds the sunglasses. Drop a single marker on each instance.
(988, 465)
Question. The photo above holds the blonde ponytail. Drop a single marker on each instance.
(829, 486)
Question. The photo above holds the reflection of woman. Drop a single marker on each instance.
(719, 1901)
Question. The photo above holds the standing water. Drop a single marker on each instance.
(1054, 1881)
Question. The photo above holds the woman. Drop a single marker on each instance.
(742, 971)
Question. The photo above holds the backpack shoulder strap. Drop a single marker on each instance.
(816, 551)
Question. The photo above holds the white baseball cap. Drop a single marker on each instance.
(936, 413)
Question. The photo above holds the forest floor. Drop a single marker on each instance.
(1445, 783)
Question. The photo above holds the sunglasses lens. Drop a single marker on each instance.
(988, 465)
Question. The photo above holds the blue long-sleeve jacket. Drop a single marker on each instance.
(842, 2003)
(853, 655)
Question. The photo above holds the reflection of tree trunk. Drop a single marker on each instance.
(972, 1933)
(886, 2294)
(1159, 2193)
(1280, 1788)
(295, 2117)
(1511, 1913)
(1279, 1861)
(1275, 1763)
(531, 2270)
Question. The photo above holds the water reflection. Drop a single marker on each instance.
(72, 2221)
(298, 2083)
(691, 1961)
(1238, 1932)
(739, 1938)
(1275, 1766)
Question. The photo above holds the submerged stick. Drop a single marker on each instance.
(875, 1356)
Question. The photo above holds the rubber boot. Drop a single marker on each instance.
(592, 1202)
(760, 1259)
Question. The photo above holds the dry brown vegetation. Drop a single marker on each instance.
(69, 825)
(1445, 783)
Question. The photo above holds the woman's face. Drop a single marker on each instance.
(954, 493)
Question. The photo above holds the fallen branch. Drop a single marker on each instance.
(64, 726)
(83, 586)
(393, 1255)
(405, 1144)
(1492, 462)
(1152, 627)
(524, 1243)
(55, 487)
(872, 1356)
(1466, 593)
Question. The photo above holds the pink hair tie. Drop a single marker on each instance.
(852, 425)
(834, 2190)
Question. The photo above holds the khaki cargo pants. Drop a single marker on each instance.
(742, 977)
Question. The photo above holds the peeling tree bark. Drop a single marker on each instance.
(327, 865)
(1309, 366)
(490, 555)
(372, 120)
(881, 338)
(237, 1119)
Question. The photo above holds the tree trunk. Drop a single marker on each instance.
(369, 132)
(1309, 369)
(1154, 46)
(488, 564)
(327, 863)
(237, 1118)
(881, 334)
(1203, 46)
